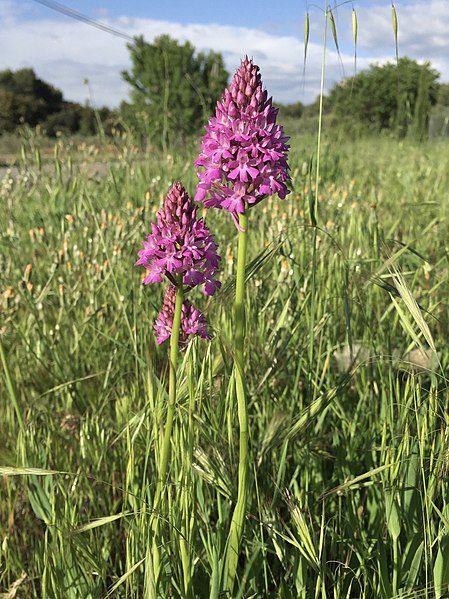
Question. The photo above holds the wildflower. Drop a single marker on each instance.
(180, 246)
(193, 321)
(244, 151)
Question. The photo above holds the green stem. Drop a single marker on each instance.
(238, 518)
(320, 115)
(314, 216)
(395, 566)
(10, 384)
(165, 452)
(188, 511)
(174, 341)
(239, 306)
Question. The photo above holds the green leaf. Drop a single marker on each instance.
(441, 569)
(40, 494)
(392, 515)
(124, 577)
(358, 479)
(102, 521)
(384, 574)
(412, 561)
(15, 471)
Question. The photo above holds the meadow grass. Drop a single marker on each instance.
(349, 462)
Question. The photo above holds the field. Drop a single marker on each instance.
(347, 355)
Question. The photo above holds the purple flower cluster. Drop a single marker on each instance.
(180, 245)
(244, 151)
(192, 320)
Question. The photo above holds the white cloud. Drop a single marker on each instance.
(422, 27)
(423, 31)
(66, 52)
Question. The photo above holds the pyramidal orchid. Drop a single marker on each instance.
(243, 159)
(181, 248)
(243, 155)
(180, 245)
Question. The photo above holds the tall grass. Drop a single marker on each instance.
(349, 450)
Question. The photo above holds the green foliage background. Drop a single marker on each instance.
(396, 97)
(173, 89)
(27, 100)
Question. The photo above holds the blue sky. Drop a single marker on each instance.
(284, 17)
(287, 16)
(65, 51)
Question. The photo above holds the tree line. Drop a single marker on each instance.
(174, 90)
(27, 100)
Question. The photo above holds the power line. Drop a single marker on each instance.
(74, 14)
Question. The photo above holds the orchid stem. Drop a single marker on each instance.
(165, 451)
(238, 517)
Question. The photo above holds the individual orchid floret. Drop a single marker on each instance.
(193, 321)
(180, 246)
(244, 152)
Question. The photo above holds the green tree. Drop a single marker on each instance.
(85, 120)
(173, 88)
(66, 121)
(293, 111)
(443, 94)
(8, 119)
(392, 96)
(26, 99)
